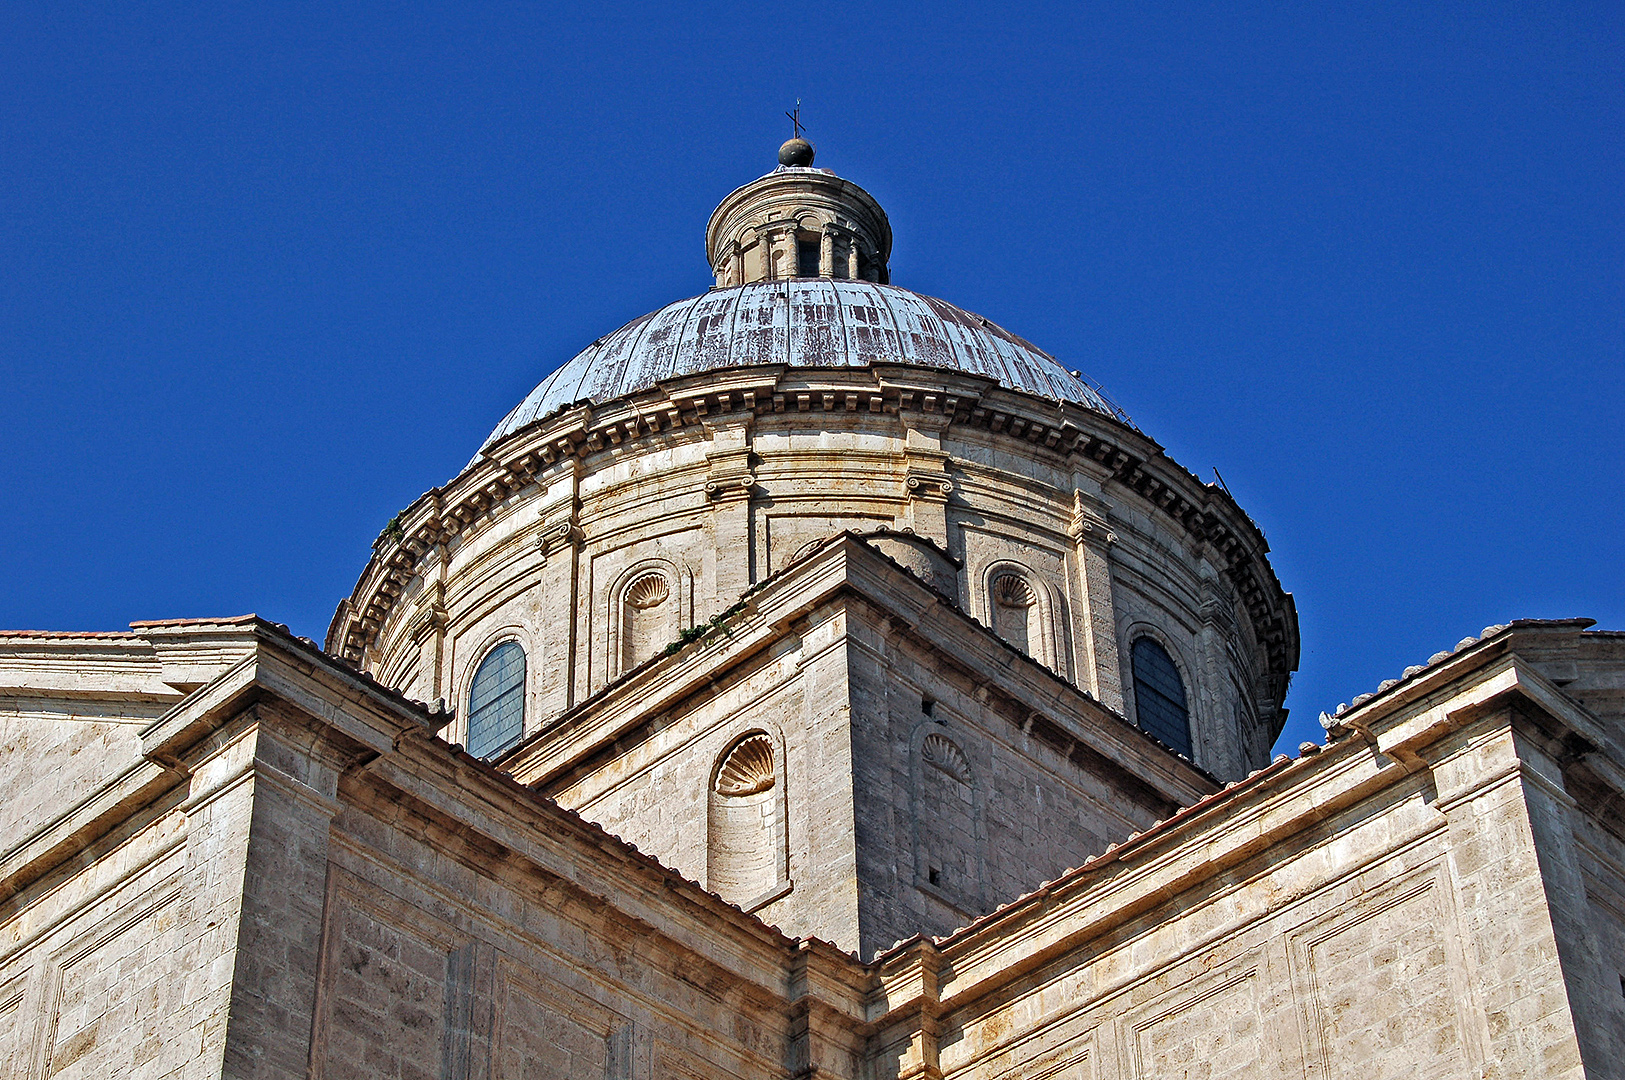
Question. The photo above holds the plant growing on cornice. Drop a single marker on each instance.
(393, 533)
(705, 629)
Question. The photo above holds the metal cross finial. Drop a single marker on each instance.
(795, 121)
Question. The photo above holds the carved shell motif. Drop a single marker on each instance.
(940, 752)
(1013, 590)
(748, 769)
(649, 590)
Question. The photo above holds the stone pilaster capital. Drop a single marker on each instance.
(730, 487)
(930, 486)
(1089, 523)
(429, 619)
(557, 535)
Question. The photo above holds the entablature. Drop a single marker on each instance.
(935, 401)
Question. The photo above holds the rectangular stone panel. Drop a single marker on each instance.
(389, 975)
(1073, 1061)
(1209, 1031)
(110, 993)
(544, 1031)
(672, 1063)
(1382, 1000)
(14, 1057)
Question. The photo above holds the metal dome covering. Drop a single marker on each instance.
(802, 322)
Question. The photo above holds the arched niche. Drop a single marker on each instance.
(648, 607)
(950, 834)
(1022, 609)
(745, 861)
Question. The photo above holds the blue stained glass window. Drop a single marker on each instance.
(1159, 696)
(496, 704)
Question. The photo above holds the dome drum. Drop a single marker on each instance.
(824, 450)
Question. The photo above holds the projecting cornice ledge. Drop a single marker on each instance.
(1029, 694)
(368, 717)
(1445, 714)
(351, 703)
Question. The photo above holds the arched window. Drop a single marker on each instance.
(1159, 696)
(496, 702)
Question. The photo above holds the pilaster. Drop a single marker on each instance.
(1502, 808)
(428, 630)
(1102, 668)
(262, 793)
(825, 1013)
(913, 992)
(926, 483)
(558, 542)
(1220, 743)
(730, 482)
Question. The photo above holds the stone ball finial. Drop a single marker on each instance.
(796, 152)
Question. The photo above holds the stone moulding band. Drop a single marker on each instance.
(1199, 510)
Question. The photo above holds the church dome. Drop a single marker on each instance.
(812, 322)
(676, 466)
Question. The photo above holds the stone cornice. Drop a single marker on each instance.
(272, 661)
(1204, 513)
(1051, 709)
(1220, 833)
(383, 740)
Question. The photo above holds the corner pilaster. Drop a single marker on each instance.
(1517, 884)
(915, 985)
(730, 481)
(1102, 664)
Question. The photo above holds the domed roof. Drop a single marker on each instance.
(802, 322)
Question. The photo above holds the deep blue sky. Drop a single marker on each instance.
(267, 272)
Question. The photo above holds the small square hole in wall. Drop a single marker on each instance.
(928, 707)
(934, 876)
(1622, 986)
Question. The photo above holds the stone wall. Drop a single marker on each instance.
(1387, 940)
(119, 963)
(913, 797)
(294, 878)
(714, 498)
(320, 888)
(656, 788)
(479, 968)
(960, 804)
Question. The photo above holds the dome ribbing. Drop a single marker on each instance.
(805, 323)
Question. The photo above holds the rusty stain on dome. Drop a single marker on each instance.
(804, 323)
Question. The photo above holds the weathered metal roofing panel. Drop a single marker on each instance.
(815, 330)
(806, 322)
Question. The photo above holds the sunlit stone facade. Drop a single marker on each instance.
(809, 679)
